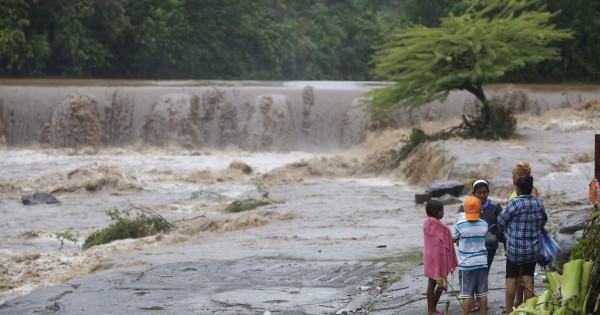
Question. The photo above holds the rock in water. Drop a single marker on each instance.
(38, 198)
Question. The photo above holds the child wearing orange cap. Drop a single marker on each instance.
(469, 233)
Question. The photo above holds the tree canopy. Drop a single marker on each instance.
(189, 39)
(491, 38)
(255, 40)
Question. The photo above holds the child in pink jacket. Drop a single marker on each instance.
(439, 255)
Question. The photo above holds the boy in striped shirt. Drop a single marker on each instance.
(469, 233)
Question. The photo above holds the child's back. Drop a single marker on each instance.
(472, 253)
(470, 233)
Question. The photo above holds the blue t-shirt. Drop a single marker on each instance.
(472, 253)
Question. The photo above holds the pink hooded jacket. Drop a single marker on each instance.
(439, 255)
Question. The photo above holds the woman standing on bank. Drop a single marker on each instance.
(521, 169)
(522, 221)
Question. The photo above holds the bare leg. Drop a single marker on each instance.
(476, 303)
(483, 305)
(527, 284)
(433, 296)
(511, 289)
(467, 303)
(519, 296)
(436, 296)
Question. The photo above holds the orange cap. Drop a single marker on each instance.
(472, 208)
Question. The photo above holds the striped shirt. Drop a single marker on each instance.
(471, 246)
(490, 210)
(522, 221)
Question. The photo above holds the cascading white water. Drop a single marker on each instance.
(247, 115)
(256, 117)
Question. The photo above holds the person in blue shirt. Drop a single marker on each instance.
(490, 209)
(469, 233)
(522, 221)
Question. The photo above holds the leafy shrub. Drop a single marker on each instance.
(123, 226)
(69, 236)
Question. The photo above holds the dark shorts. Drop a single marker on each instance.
(491, 254)
(473, 282)
(514, 270)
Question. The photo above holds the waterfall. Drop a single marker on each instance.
(253, 116)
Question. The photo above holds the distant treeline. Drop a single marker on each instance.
(245, 39)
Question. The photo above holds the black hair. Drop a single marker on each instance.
(485, 184)
(525, 184)
(433, 207)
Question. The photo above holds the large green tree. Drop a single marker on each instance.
(75, 46)
(153, 38)
(12, 37)
(22, 49)
(465, 52)
(580, 59)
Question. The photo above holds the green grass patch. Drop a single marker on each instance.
(130, 223)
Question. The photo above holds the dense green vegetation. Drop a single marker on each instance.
(129, 223)
(587, 249)
(259, 39)
(187, 39)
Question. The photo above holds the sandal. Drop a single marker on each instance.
(474, 309)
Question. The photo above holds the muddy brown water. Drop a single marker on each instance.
(326, 208)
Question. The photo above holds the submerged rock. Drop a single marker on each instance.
(422, 198)
(571, 226)
(38, 198)
(241, 166)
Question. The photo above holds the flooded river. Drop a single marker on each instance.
(309, 144)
